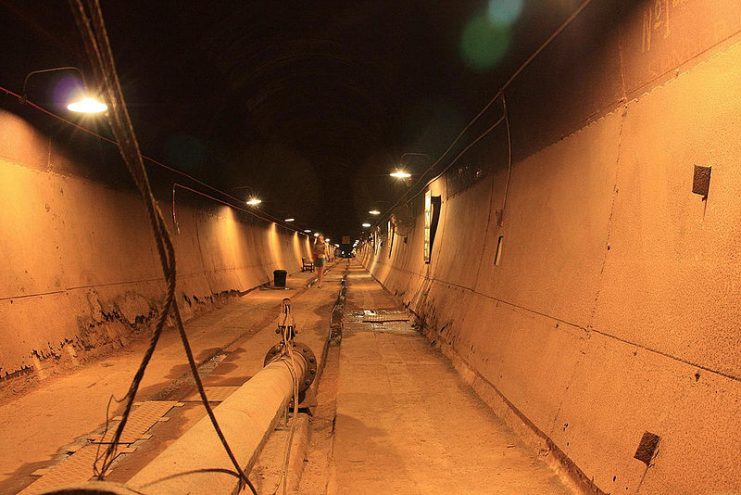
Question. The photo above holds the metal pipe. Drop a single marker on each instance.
(196, 463)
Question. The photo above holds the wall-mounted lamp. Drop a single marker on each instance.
(82, 102)
(400, 174)
(87, 105)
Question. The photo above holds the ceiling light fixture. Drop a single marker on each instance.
(400, 174)
(83, 102)
(374, 212)
(87, 104)
(254, 201)
(289, 220)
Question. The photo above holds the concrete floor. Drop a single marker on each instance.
(407, 424)
(393, 415)
(37, 427)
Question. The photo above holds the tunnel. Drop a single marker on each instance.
(370, 247)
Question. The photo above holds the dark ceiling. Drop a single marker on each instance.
(307, 105)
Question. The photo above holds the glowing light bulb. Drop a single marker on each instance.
(400, 174)
(374, 212)
(366, 225)
(289, 220)
(254, 201)
(87, 104)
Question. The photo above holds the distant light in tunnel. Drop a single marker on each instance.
(504, 12)
(307, 231)
(484, 43)
(374, 212)
(399, 174)
(254, 201)
(366, 225)
(289, 220)
(87, 104)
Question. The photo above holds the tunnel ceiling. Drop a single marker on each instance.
(307, 105)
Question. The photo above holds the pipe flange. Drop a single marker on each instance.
(305, 351)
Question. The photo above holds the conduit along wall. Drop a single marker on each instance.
(80, 270)
(591, 294)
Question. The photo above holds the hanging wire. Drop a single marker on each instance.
(149, 159)
(499, 94)
(89, 19)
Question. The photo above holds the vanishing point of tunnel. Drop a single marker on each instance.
(403, 247)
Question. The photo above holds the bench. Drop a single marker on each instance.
(307, 265)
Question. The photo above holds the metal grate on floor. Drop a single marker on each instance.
(142, 418)
(384, 316)
(77, 468)
(380, 320)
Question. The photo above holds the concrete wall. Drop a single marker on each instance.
(616, 307)
(79, 266)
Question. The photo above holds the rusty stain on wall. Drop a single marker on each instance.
(80, 274)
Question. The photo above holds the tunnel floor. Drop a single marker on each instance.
(393, 416)
(405, 421)
(41, 426)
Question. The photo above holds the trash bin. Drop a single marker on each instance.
(279, 278)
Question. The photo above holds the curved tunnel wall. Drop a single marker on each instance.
(79, 266)
(615, 308)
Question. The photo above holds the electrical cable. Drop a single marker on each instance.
(288, 332)
(499, 93)
(458, 156)
(468, 147)
(90, 132)
(89, 19)
(176, 185)
(509, 160)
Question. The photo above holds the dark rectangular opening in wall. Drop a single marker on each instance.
(498, 254)
(433, 205)
(391, 232)
(436, 206)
